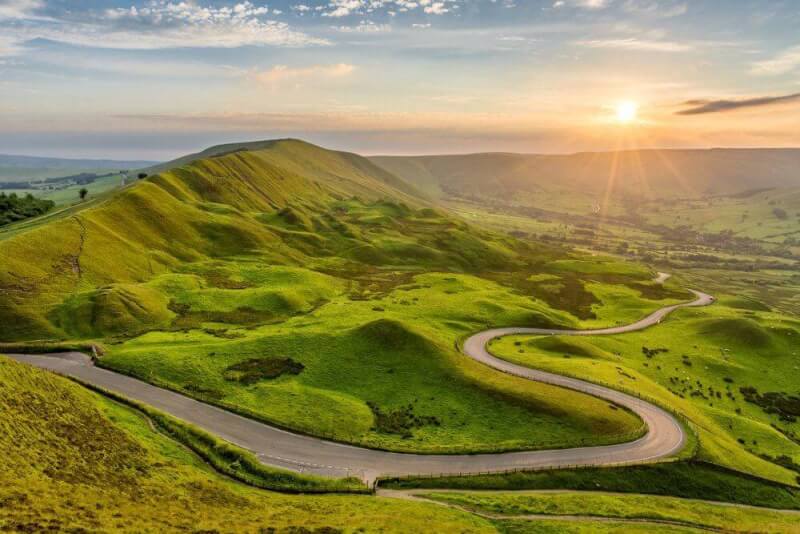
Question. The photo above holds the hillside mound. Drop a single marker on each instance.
(737, 332)
(389, 334)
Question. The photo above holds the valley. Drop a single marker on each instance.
(312, 291)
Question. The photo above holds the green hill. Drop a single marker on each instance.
(284, 201)
(289, 251)
(646, 173)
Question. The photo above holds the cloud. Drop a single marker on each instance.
(19, 9)
(699, 107)
(434, 8)
(636, 44)
(9, 46)
(280, 74)
(655, 8)
(165, 24)
(586, 4)
(785, 62)
(343, 8)
(365, 26)
(346, 8)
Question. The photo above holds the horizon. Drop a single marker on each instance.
(410, 155)
(152, 79)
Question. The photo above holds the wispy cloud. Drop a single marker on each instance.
(699, 107)
(636, 44)
(654, 8)
(19, 9)
(280, 74)
(587, 4)
(786, 61)
(166, 25)
(9, 47)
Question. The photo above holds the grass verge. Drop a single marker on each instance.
(693, 480)
(681, 512)
(234, 461)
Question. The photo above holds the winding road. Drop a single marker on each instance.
(277, 447)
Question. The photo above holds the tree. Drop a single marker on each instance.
(142, 175)
(83, 192)
(780, 214)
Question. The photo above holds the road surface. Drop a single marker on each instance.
(280, 448)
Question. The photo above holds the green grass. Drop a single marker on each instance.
(691, 480)
(237, 462)
(287, 252)
(269, 254)
(70, 194)
(616, 506)
(74, 460)
(746, 215)
(555, 526)
(390, 351)
(711, 353)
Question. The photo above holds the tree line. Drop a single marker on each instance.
(15, 208)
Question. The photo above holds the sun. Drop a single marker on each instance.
(626, 111)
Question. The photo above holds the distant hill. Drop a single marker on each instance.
(285, 202)
(647, 173)
(15, 168)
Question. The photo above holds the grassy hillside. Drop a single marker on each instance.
(314, 291)
(730, 369)
(75, 461)
(211, 277)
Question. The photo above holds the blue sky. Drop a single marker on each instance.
(158, 79)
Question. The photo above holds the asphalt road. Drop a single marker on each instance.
(277, 447)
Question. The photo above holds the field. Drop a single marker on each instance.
(387, 352)
(70, 194)
(77, 460)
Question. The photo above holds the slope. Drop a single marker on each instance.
(294, 286)
(245, 202)
(77, 462)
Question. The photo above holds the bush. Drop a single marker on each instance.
(14, 208)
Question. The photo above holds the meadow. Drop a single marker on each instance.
(362, 358)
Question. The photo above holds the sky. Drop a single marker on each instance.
(157, 79)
